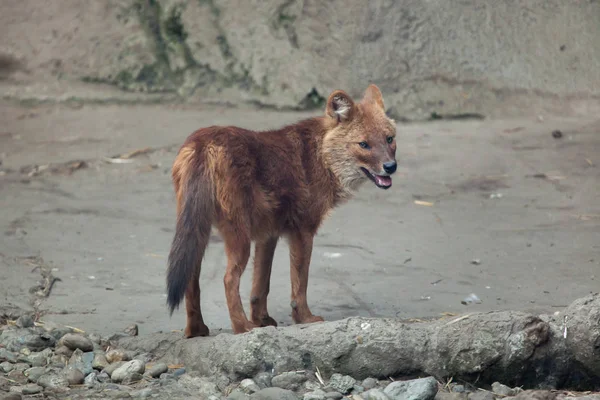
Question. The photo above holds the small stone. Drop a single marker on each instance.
(103, 377)
(341, 383)
(263, 379)
(502, 390)
(91, 380)
(369, 383)
(95, 338)
(274, 393)
(450, 396)
(34, 373)
(315, 395)
(458, 388)
(311, 386)
(17, 377)
(25, 338)
(143, 393)
(75, 341)
(53, 381)
(31, 388)
(6, 355)
(415, 389)
(249, 386)
(238, 395)
(334, 396)
(357, 389)
(21, 366)
(144, 357)
(99, 362)
(480, 395)
(73, 375)
(64, 351)
(117, 355)
(288, 380)
(132, 378)
(6, 367)
(178, 372)
(12, 396)
(41, 358)
(375, 394)
(132, 330)
(166, 379)
(16, 389)
(24, 321)
(82, 361)
(157, 369)
(110, 368)
(127, 370)
(58, 361)
(556, 134)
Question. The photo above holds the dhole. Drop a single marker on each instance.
(259, 186)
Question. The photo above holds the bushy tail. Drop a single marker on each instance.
(192, 234)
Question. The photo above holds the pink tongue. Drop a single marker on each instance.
(383, 180)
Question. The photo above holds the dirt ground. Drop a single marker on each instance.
(498, 208)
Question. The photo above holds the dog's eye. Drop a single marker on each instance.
(364, 145)
(390, 139)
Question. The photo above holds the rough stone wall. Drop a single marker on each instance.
(430, 57)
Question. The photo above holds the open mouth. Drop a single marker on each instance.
(383, 182)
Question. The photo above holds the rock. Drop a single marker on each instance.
(238, 395)
(357, 389)
(40, 359)
(375, 394)
(341, 383)
(73, 375)
(95, 338)
(64, 351)
(311, 385)
(144, 357)
(103, 377)
(16, 389)
(167, 379)
(6, 367)
(249, 386)
(91, 380)
(450, 396)
(82, 361)
(157, 369)
(21, 366)
(274, 393)
(415, 389)
(315, 395)
(502, 390)
(24, 321)
(288, 380)
(131, 330)
(132, 378)
(17, 377)
(203, 386)
(481, 395)
(57, 361)
(143, 393)
(178, 372)
(25, 338)
(263, 379)
(99, 362)
(12, 396)
(334, 395)
(8, 356)
(117, 355)
(75, 341)
(34, 373)
(458, 388)
(127, 369)
(52, 381)
(32, 388)
(369, 383)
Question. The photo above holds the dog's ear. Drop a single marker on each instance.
(340, 106)
(373, 95)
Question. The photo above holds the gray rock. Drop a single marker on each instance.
(103, 377)
(315, 395)
(369, 383)
(263, 379)
(415, 389)
(451, 396)
(117, 355)
(8, 356)
(274, 393)
(74, 341)
(178, 372)
(16, 389)
(238, 395)
(127, 370)
(91, 380)
(341, 383)
(481, 395)
(34, 373)
(99, 362)
(31, 388)
(157, 369)
(249, 386)
(53, 381)
(203, 386)
(167, 379)
(21, 366)
(17, 377)
(144, 357)
(95, 338)
(110, 368)
(25, 338)
(311, 385)
(12, 396)
(502, 390)
(6, 367)
(289, 380)
(131, 330)
(82, 361)
(73, 375)
(334, 395)
(357, 389)
(375, 394)
(143, 393)
(63, 351)
(132, 378)
(24, 321)
(40, 359)
(458, 388)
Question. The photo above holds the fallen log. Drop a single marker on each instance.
(519, 349)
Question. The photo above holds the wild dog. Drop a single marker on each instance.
(260, 186)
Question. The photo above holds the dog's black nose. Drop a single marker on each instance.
(390, 167)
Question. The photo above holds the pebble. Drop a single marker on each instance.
(263, 379)
(6, 355)
(132, 378)
(12, 396)
(178, 372)
(341, 383)
(117, 355)
(249, 386)
(369, 383)
(143, 393)
(157, 369)
(64, 351)
(480, 395)
(82, 361)
(375, 394)
(334, 396)
(39, 359)
(502, 390)
(34, 373)
(274, 393)
(458, 388)
(315, 395)
(24, 321)
(17, 377)
(132, 330)
(25, 338)
(99, 362)
(53, 381)
(21, 366)
(75, 341)
(288, 380)
(103, 377)
(6, 367)
(110, 368)
(32, 388)
(415, 389)
(238, 395)
(73, 375)
(166, 379)
(127, 370)
(91, 380)
(97, 339)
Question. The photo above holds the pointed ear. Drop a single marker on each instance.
(373, 95)
(340, 106)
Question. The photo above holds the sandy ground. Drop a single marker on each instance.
(505, 192)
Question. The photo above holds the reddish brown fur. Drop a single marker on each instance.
(259, 186)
